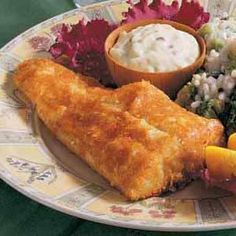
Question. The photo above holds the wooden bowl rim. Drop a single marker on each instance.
(128, 27)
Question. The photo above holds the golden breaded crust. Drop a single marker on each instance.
(134, 156)
(145, 101)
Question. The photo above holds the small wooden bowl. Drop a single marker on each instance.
(169, 82)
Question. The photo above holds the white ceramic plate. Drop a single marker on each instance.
(36, 164)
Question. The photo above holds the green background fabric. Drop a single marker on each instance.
(18, 214)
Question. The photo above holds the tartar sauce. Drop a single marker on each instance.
(155, 48)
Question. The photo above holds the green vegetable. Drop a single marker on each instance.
(231, 65)
(192, 91)
(186, 95)
(206, 109)
(205, 30)
(232, 50)
(218, 106)
(228, 117)
(211, 108)
(215, 43)
(231, 53)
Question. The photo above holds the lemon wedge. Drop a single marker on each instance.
(221, 162)
(232, 142)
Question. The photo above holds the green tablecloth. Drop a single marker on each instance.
(18, 214)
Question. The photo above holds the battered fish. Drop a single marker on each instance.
(132, 155)
(135, 137)
(145, 101)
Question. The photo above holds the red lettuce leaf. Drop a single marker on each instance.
(165, 11)
(82, 45)
(190, 13)
(156, 10)
(139, 11)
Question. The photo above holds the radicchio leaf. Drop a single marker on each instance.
(165, 11)
(190, 13)
(139, 11)
(82, 45)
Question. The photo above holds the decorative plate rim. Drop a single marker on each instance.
(89, 215)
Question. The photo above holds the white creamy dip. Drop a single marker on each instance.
(155, 48)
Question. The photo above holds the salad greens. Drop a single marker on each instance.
(218, 72)
(228, 117)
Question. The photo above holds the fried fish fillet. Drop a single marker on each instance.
(145, 101)
(134, 156)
